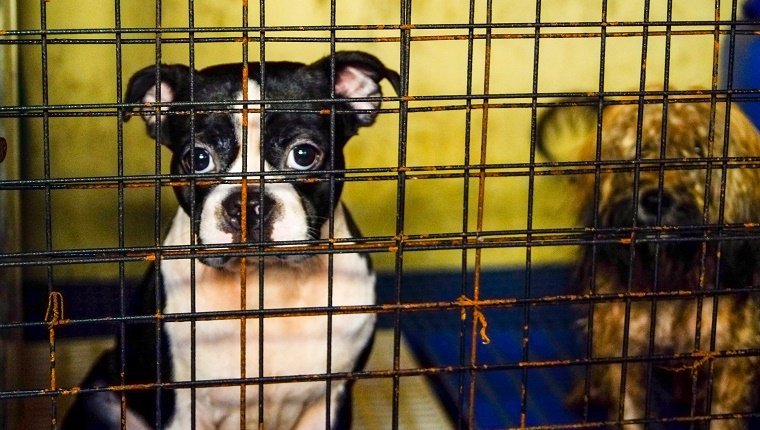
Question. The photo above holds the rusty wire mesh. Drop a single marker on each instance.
(475, 170)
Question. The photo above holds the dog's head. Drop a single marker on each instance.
(293, 140)
(660, 170)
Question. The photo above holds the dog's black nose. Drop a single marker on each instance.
(258, 210)
(651, 201)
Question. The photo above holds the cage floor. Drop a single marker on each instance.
(518, 334)
(418, 407)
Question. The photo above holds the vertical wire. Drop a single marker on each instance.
(193, 214)
(330, 221)
(405, 54)
(244, 225)
(262, 121)
(635, 205)
(460, 421)
(48, 197)
(157, 223)
(707, 199)
(722, 198)
(120, 203)
(595, 220)
(528, 249)
(658, 217)
(479, 216)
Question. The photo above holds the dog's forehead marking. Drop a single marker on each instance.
(251, 138)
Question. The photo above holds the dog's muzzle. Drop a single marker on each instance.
(258, 213)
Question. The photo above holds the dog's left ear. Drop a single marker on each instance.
(358, 75)
(174, 81)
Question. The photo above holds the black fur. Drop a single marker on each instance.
(141, 366)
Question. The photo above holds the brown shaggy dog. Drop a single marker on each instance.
(661, 340)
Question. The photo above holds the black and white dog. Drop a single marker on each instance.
(289, 210)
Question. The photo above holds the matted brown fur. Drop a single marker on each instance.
(669, 200)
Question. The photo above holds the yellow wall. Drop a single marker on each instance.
(86, 146)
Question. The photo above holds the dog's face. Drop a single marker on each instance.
(680, 198)
(693, 134)
(291, 140)
(683, 193)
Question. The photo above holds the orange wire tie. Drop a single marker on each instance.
(465, 302)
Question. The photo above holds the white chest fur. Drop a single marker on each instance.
(292, 345)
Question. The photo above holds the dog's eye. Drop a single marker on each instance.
(304, 156)
(198, 161)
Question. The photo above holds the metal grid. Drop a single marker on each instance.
(469, 371)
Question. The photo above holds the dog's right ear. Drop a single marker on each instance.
(570, 120)
(173, 81)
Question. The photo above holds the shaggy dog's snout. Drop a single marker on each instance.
(667, 207)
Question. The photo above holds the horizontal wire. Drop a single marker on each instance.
(423, 242)
(374, 374)
(609, 25)
(515, 303)
(380, 174)
(376, 39)
(591, 99)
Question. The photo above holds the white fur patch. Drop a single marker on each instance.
(212, 214)
(253, 130)
(290, 221)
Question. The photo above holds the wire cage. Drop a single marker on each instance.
(558, 203)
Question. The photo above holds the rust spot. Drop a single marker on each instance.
(701, 359)
(54, 312)
(325, 111)
(3, 149)
(150, 257)
(3, 32)
(70, 392)
(625, 241)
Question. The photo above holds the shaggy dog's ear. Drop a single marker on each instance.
(571, 120)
